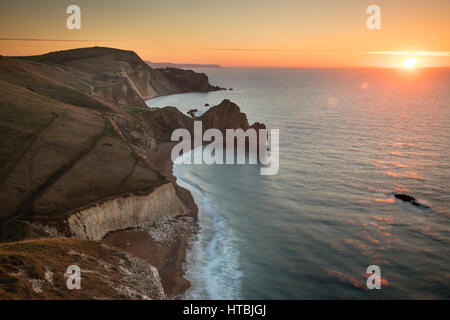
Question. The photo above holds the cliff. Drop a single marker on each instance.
(126, 212)
(114, 75)
(187, 80)
(72, 135)
(79, 159)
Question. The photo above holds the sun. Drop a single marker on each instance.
(410, 63)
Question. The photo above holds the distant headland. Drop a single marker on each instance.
(180, 65)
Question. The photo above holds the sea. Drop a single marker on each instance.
(350, 139)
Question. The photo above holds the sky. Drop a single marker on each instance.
(237, 33)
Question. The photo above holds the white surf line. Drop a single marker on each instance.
(212, 262)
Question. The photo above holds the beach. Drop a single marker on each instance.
(168, 255)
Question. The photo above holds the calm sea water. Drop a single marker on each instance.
(349, 140)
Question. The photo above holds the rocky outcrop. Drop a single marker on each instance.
(63, 151)
(226, 115)
(126, 212)
(81, 159)
(188, 80)
(410, 199)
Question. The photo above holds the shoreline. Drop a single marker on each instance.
(169, 255)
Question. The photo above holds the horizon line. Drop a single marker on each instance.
(443, 54)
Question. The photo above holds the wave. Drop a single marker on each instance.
(212, 261)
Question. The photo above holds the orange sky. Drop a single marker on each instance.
(255, 33)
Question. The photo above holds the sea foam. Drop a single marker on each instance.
(212, 261)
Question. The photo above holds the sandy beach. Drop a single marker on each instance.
(163, 245)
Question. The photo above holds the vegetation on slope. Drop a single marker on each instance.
(38, 270)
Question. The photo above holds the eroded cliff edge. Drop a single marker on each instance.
(80, 157)
(126, 212)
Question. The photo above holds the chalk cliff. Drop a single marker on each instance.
(126, 212)
(81, 157)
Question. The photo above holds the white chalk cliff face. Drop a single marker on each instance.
(86, 140)
(126, 212)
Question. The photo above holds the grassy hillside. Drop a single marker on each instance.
(74, 134)
(60, 150)
(51, 82)
(118, 76)
(37, 270)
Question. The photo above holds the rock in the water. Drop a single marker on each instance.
(410, 199)
(206, 104)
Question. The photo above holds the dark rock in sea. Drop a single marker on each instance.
(231, 89)
(410, 199)
(192, 112)
(206, 104)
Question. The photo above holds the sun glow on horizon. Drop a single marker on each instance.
(410, 63)
(275, 34)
